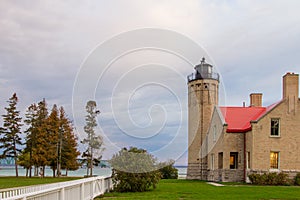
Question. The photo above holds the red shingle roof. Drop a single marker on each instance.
(238, 118)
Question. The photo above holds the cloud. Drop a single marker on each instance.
(43, 44)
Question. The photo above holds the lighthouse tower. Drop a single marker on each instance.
(203, 87)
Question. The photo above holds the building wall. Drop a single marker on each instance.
(287, 144)
(259, 142)
(202, 98)
(224, 143)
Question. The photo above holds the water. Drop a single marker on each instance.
(10, 171)
(182, 171)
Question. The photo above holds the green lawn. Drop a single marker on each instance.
(187, 189)
(9, 182)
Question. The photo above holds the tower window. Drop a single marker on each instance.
(212, 166)
(214, 133)
(275, 122)
(220, 160)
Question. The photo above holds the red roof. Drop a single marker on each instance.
(238, 118)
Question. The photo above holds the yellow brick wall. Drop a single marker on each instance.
(288, 144)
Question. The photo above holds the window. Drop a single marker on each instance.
(220, 160)
(248, 160)
(274, 127)
(214, 133)
(233, 160)
(274, 160)
(212, 166)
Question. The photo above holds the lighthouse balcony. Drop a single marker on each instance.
(199, 76)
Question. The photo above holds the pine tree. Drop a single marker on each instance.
(11, 131)
(67, 151)
(52, 146)
(31, 134)
(24, 160)
(93, 141)
(40, 149)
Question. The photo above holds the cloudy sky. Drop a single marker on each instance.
(71, 51)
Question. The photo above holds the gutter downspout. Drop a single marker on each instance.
(245, 161)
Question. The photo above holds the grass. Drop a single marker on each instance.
(9, 182)
(187, 189)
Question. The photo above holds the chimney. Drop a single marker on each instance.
(291, 90)
(256, 100)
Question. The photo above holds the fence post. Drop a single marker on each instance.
(93, 189)
(82, 191)
(62, 193)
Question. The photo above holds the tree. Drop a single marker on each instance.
(41, 140)
(67, 151)
(53, 132)
(11, 131)
(24, 160)
(134, 170)
(50, 140)
(167, 170)
(93, 141)
(31, 134)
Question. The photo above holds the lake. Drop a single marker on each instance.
(10, 171)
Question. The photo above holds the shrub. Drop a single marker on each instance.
(134, 170)
(272, 178)
(297, 179)
(168, 171)
(255, 179)
(282, 179)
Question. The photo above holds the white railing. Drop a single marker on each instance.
(81, 189)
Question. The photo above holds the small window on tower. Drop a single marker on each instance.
(275, 122)
(212, 165)
(214, 133)
(220, 160)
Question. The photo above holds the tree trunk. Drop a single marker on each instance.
(16, 165)
(91, 163)
(30, 161)
(87, 168)
(36, 171)
(44, 171)
(30, 169)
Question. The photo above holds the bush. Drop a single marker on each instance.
(168, 171)
(134, 170)
(272, 178)
(282, 179)
(297, 179)
(255, 179)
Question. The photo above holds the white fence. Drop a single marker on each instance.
(81, 189)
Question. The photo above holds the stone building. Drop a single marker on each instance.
(229, 143)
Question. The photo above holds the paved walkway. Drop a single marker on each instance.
(215, 184)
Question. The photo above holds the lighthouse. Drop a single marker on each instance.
(203, 88)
